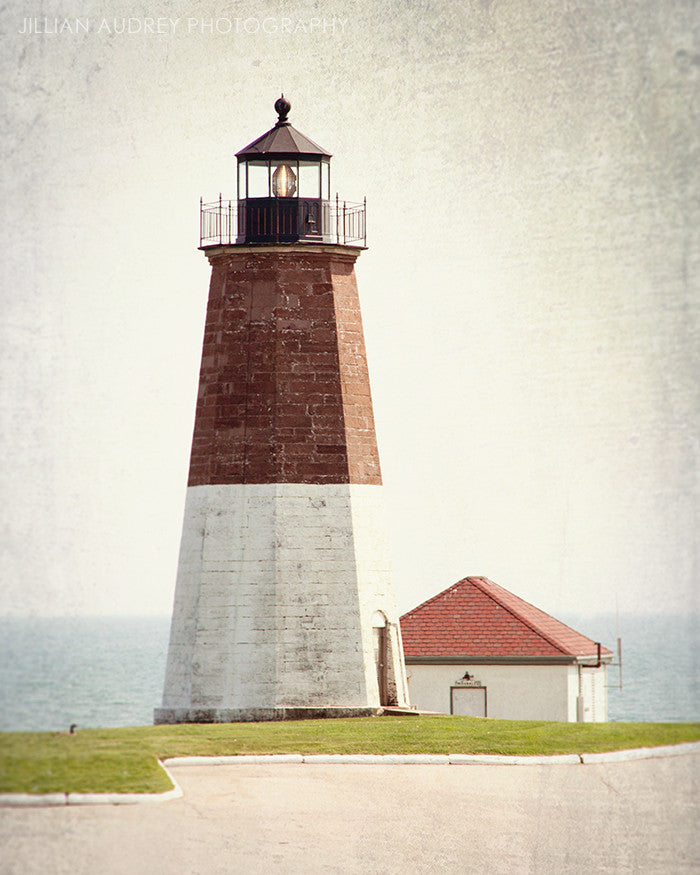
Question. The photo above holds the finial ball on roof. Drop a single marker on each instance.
(282, 107)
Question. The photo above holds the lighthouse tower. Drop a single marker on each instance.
(284, 603)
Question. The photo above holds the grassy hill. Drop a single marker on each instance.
(126, 760)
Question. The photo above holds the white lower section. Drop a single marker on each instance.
(512, 692)
(277, 585)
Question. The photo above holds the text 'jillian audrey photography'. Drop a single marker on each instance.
(211, 26)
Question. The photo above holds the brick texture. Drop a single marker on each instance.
(284, 392)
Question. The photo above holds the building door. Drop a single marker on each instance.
(468, 701)
(381, 655)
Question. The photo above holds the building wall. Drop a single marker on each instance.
(277, 585)
(513, 692)
(594, 690)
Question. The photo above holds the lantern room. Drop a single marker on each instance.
(283, 186)
(283, 196)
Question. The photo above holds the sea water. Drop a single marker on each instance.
(659, 664)
(92, 671)
(108, 671)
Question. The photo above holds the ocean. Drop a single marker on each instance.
(108, 671)
(659, 664)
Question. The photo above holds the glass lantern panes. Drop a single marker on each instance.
(284, 177)
(241, 180)
(258, 179)
(325, 181)
(309, 179)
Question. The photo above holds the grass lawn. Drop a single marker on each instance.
(125, 760)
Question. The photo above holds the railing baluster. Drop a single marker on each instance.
(223, 222)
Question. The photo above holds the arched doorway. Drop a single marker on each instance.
(381, 654)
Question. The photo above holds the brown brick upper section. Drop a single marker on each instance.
(283, 388)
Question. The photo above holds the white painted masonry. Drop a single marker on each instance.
(514, 692)
(594, 691)
(276, 588)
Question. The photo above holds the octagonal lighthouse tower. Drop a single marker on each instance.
(284, 604)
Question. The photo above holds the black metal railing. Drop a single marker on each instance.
(282, 220)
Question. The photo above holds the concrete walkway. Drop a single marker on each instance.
(636, 816)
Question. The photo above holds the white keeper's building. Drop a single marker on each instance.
(477, 649)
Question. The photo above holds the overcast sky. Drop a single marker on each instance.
(529, 295)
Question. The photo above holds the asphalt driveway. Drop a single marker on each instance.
(613, 817)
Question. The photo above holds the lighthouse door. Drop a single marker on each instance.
(381, 655)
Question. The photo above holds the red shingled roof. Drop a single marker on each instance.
(478, 618)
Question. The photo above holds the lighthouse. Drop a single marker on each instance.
(284, 603)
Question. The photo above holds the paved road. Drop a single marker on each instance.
(617, 817)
